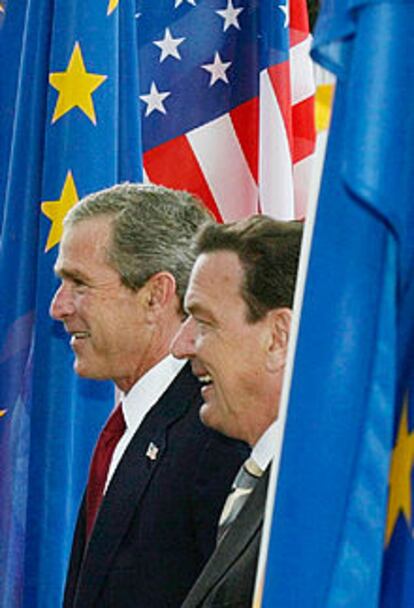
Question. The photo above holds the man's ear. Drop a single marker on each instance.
(279, 330)
(161, 291)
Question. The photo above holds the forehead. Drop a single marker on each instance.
(84, 243)
(215, 281)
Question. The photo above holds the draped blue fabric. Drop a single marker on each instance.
(350, 412)
(49, 418)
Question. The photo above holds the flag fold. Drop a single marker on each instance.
(342, 530)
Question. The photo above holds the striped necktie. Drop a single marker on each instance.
(243, 485)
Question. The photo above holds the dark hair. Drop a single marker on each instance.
(152, 230)
(268, 251)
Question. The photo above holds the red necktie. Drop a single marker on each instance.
(109, 437)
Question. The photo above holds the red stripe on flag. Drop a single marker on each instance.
(174, 165)
(245, 119)
(304, 133)
(280, 79)
(299, 21)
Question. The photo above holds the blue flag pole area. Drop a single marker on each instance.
(69, 125)
(342, 532)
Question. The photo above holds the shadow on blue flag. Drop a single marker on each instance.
(69, 123)
(342, 531)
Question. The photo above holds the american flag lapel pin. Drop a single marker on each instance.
(152, 451)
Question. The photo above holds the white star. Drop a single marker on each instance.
(217, 69)
(230, 16)
(285, 10)
(179, 2)
(154, 100)
(169, 46)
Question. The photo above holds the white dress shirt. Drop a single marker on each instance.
(140, 399)
(265, 449)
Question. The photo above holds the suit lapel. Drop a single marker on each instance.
(132, 476)
(232, 545)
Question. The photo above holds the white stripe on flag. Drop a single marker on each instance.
(302, 178)
(301, 71)
(225, 168)
(275, 165)
(145, 177)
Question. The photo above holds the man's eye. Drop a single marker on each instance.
(78, 283)
(202, 323)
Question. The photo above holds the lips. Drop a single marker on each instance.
(206, 390)
(202, 375)
(78, 336)
(205, 379)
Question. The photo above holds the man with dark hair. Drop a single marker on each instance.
(239, 301)
(158, 477)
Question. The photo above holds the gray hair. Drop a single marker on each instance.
(152, 230)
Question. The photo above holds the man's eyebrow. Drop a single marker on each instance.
(64, 273)
(198, 309)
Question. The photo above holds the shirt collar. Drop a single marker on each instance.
(266, 447)
(146, 392)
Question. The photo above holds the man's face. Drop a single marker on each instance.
(227, 352)
(105, 319)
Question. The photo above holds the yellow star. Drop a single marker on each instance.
(2, 413)
(75, 87)
(112, 6)
(399, 499)
(323, 106)
(57, 210)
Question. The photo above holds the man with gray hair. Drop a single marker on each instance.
(158, 477)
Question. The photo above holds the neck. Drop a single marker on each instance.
(157, 349)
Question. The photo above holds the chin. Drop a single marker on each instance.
(205, 415)
(85, 371)
(81, 371)
(209, 418)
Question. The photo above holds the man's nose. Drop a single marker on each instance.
(182, 346)
(61, 305)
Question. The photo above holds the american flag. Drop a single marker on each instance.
(227, 102)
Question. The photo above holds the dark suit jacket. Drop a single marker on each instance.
(156, 526)
(228, 578)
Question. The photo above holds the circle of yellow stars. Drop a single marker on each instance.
(75, 86)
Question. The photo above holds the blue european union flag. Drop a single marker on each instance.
(346, 482)
(2, 11)
(70, 125)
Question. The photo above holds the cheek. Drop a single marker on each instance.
(199, 339)
(82, 303)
